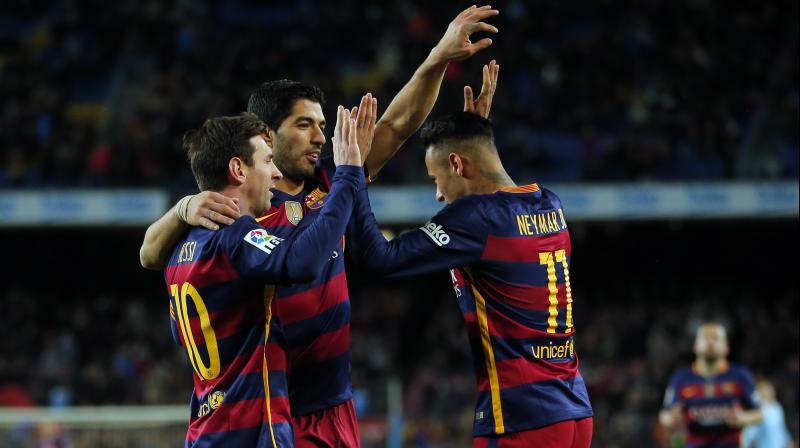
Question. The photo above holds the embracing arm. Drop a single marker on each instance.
(411, 106)
(207, 209)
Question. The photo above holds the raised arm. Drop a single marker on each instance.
(411, 106)
(207, 209)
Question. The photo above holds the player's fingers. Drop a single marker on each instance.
(352, 137)
(480, 45)
(364, 110)
(337, 130)
(487, 80)
(208, 224)
(345, 127)
(479, 14)
(495, 76)
(481, 26)
(466, 11)
(468, 105)
(226, 214)
(369, 118)
(374, 113)
(217, 198)
(354, 111)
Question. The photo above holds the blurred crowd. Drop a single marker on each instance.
(99, 94)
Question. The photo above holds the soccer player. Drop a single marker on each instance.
(316, 314)
(221, 284)
(508, 251)
(713, 399)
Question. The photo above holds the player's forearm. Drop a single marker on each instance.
(750, 417)
(311, 249)
(373, 249)
(407, 111)
(159, 239)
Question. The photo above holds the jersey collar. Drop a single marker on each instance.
(530, 188)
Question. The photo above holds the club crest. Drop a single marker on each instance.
(315, 199)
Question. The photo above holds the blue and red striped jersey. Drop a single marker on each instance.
(707, 403)
(509, 253)
(315, 315)
(222, 309)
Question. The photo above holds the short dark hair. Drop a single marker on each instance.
(456, 126)
(211, 147)
(273, 100)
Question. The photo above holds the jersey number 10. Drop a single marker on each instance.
(188, 291)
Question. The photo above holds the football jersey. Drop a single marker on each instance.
(708, 402)
(316, 314)
(509, 254)
(221, 287)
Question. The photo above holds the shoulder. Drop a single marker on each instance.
(681, 375)
(741, 372)
(464, 209)
(239, 230)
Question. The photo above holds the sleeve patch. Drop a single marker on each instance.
(436, 233)
(262, 240)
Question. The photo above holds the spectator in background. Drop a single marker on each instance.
(771, 432)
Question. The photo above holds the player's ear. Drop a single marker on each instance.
(236, 172)
(269, 136)
(456, 164)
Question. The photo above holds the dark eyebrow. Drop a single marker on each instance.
(308, 119)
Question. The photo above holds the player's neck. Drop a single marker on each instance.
(709, 367)
(493, 178)
(235, 193)
(290, 186)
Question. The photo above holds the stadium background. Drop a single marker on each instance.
(619, 95)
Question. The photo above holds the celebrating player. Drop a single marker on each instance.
(219, 282)
(316, 314)
(509, 250)
(713, 399)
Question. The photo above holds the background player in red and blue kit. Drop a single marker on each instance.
(509, 252)
(221, 284)
(713, 400)
(317, 314)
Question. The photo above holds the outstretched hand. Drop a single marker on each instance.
(345, 144)
(455, 45)
(483, 103)
(365, 115)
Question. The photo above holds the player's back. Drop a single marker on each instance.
(517, 303)
(222, 319)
